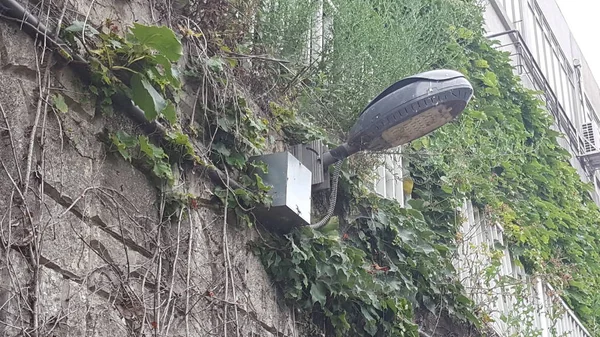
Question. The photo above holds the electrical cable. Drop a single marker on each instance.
(332, 198)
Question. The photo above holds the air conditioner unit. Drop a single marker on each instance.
(591, 136)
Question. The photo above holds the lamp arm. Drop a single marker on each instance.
(337, 154)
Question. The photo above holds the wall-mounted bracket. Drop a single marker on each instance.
(310, 155)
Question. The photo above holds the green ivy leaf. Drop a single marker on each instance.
(340, 322)
(170, 113)
(221, 149)
(215, 64)
(59, 103)
(159, 38)
(236, 160)
(371, 328)
(490, 79)
(417, 204)
(179, 138)
(146, 97)
(163, 170)
(481, 63)
(77, 27)
(170, 72)
(150, 150)
(478, 114)
(318, 293)
(124, 142)
(261, 185)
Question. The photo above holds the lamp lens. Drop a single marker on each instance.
(418, 126)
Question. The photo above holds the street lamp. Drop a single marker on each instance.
(407, 110)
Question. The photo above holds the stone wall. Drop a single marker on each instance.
(83, 250)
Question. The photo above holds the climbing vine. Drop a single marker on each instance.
(365, 272)
(238, 135)
(140, 63)
(502, 154)
(376, 264)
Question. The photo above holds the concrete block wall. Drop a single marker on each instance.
(83, 250)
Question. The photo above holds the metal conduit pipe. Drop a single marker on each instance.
(13, 11)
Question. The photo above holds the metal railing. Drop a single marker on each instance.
(513, 303)
(517, 304)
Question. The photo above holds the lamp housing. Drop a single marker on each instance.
(407, 110)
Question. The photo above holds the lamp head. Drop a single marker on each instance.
(409, 109)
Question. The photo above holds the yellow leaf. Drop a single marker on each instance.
(407, 185)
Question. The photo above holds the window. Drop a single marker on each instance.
(529, 23)
(517, 9)
(557, 71)
(591, 114)
(539, 40)
(510, 10)
(389, 180)
(562, 88)
(569, 106)
(550, 60)
(587, 113)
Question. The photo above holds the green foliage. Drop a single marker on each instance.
(59, 103)
(369, 45)
(137, 148)
(366, 280)
(502, 153)
(240, 134)
(160, 39)
(140, 63)
(387, 261)
(146, 97)
(180, 143)
(296, 130)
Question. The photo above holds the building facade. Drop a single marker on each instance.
(547, 57)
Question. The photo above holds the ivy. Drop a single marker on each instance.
(371, 268)
(140, 148)
(59, 103)
(502, 154)
(295, 130)
(239, 134)
(365, 272)
(140, 63)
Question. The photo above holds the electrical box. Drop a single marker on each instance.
(310, 156)
(290, 183)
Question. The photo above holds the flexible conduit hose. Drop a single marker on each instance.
(14, 11)
(332, 198)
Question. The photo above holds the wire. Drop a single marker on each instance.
(332, 198)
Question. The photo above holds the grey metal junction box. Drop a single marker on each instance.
(291, 192)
